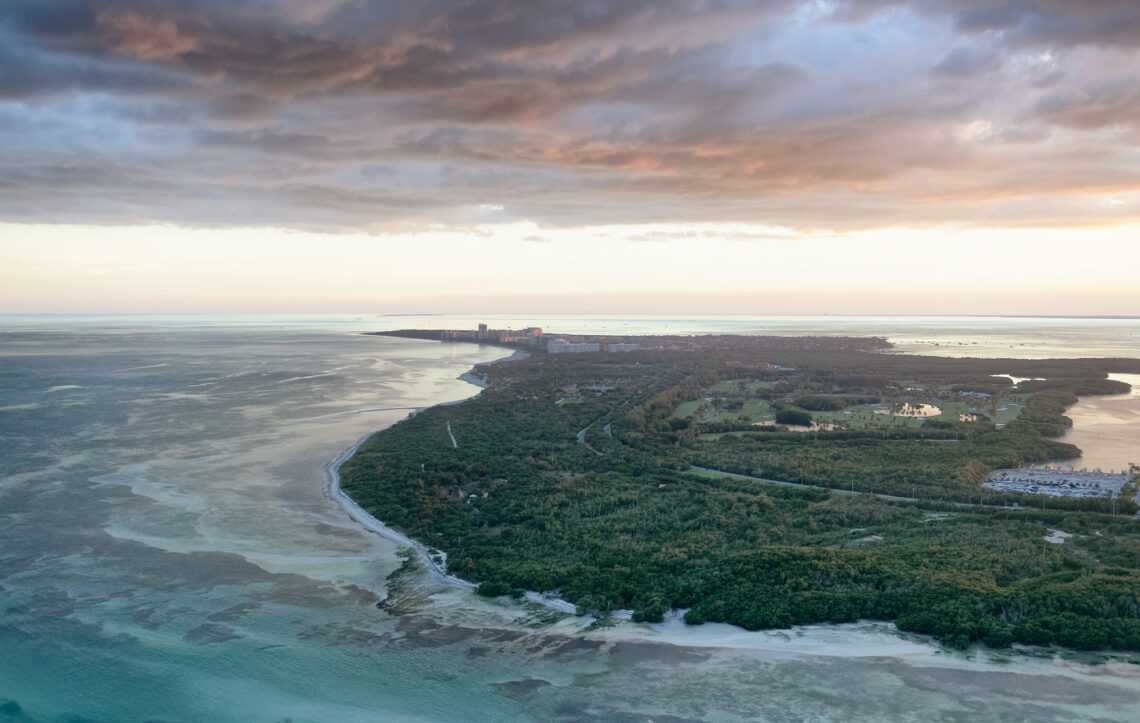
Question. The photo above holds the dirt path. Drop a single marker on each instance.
(582, 441)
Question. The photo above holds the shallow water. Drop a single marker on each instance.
(167, 554)
(1107, 429)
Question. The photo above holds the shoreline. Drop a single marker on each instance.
(358, 514)
(672, 630)
(361, 516)
(859, 639)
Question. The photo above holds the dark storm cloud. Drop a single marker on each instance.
(354, 113)
(27, 70)
(1053, 22)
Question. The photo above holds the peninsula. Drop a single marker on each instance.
(769, 482)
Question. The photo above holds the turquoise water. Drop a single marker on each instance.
(168, 553)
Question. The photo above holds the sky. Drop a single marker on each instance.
(672, 156)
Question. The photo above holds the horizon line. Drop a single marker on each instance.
(1124, 317)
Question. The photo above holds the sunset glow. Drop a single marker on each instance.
(674, 268)
(569, 361)
(850, 155)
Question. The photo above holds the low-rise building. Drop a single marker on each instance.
(561, 346)
(622, 346)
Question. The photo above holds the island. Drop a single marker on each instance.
(768, 482)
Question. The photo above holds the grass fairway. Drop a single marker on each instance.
(703, 410)
(744, 387)
(719, 405)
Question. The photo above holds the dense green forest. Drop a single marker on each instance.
(576, 474)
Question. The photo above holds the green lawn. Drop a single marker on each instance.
(687, 409)
(757, 410)
(740, 386)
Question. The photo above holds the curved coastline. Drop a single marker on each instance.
(672, 631)
(875, 639)
(862, 639)
(333, 491)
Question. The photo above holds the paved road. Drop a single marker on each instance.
(709, 472)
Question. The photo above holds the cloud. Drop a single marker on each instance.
(1093, 107)
(348, 114)
(964, 62)
(1037, 23)
(1054, 22)
(27, 70)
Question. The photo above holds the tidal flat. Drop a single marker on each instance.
(167, 553)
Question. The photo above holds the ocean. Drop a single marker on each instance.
(168, 551)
